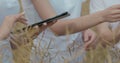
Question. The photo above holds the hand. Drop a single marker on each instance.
(27, 36)
(38, 29)
(12, 19)
(8, 23)
(111, 14)
(21, 39)
(89, 37)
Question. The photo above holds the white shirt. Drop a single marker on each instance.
(8, 7)
(72, 6)
(97, 5)
(60, 6)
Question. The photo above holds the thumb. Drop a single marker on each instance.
(36, 27)
(86, 37)
(19, 15)
(87, 45)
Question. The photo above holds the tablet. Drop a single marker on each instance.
(63, 15)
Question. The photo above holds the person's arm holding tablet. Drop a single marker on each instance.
(45, 11)
(8, 23)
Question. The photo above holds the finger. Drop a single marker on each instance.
(13, 44)
(86, 37)
(92, 38)
(36, 27)
(91, 41)
(115, 20)
(22, 18)
(45, 24)
(116, 12)
(51, 23)
(19, 15)
(116, 6)
(38, 30)
(115, 16)
(13, 39)
(87, 45)
(23, 21)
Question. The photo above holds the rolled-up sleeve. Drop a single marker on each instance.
(97, 5)
(5, 52)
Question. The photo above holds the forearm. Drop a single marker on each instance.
(77, 24)
(44, 8)
(89, 21)
(72, 25)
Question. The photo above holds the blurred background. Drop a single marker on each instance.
(85, 8)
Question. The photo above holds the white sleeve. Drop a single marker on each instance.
(5, 52)
(97, 5)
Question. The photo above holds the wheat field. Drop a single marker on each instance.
(98, 55)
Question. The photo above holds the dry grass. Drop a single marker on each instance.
(98, 55)
(85, 8)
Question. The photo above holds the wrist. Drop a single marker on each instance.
(101, 17)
